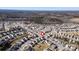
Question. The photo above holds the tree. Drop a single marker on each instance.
(3, 17)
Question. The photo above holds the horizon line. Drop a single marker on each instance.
(41, 8)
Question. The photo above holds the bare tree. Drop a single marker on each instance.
(3, 21)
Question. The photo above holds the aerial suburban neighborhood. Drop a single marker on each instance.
(39, 30)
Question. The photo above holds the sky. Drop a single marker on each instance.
(40, 8)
